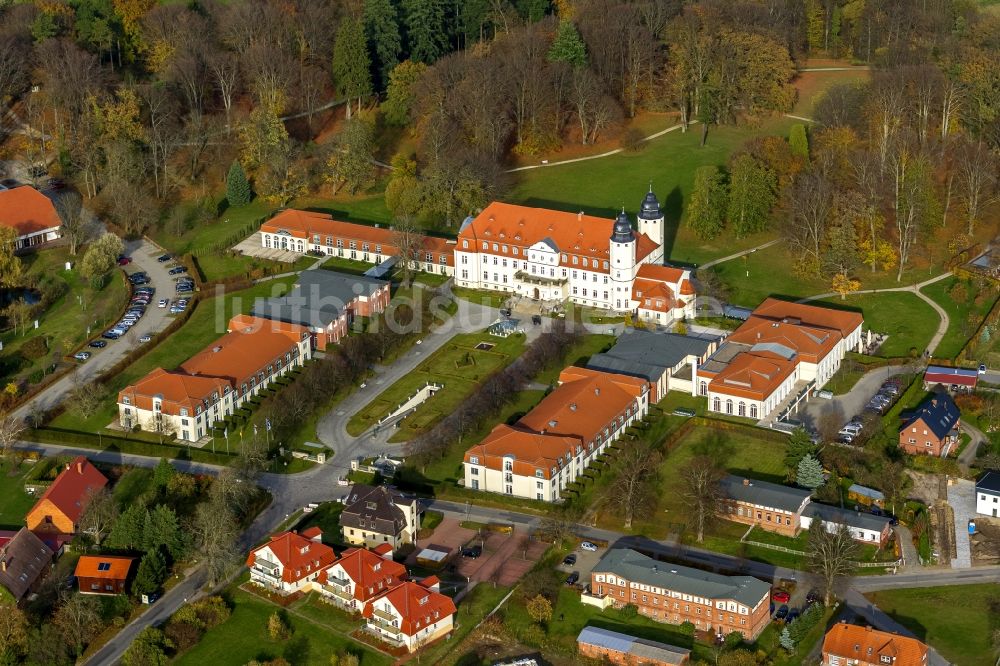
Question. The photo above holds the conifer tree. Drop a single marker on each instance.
(809, 473)
(426, 29)
(237, 186)
(351, 64)
(381, 21)
(568, 46)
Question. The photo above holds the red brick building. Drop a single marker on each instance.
(613, 647)
(102, 574)
(933, 429)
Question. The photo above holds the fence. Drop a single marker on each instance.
(792, 551)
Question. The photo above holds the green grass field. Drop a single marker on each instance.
(14, 502)
(458, 366)
(65, 321)
(207, 323)
(964, 316)
(244, 637)
(601, 186)
(957, 621)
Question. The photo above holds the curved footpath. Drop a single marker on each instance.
(913, 288)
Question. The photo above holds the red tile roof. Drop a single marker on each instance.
(850, 642)
(312, 532)
(752, 375)
(418, 606)
(27, 210)
(72, 488)
(372, 574)
(811, 343)
(299, 556)
(103, 566)
(811, 315)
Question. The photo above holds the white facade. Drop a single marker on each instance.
(267, 571)
(750, 408)
(857, 532)
(371, 252)
(988, 502)
(386, 622)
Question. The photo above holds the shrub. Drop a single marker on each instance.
(632, 140)
(630, 611)
(35, 348)
(183, 635)
(212, 611)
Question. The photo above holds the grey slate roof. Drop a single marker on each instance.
(864, 491)
(634, 566)
(940, 413)
(834, 514)
(645, 354)
(375, 506)
(318, 298)
(763, 493)
(638, 647)
(25, 559)
(989, 482)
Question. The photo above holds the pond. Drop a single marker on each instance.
(29, 296)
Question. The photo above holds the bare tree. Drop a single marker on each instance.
(701, 492)
(830, 421)
(977, 173)
(13, 67)
(812, 203)
(831, 555)
(76, 227)
(87, 398)
(78, 619)
(11, 428)
(226, 76)
(407, 240)
(99, 514)
(633, 489)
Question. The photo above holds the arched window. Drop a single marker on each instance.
(743, 408)
(703, 388)
(729, 406)
(753, 411)
(716, 405)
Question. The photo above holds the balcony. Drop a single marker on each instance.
(541, 280)
(382, 626)
(383, 615)
(338, 591)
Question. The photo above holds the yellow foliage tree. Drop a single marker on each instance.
(539, 608)
(844, 285)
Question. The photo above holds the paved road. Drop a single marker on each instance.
(853, 402)
(914, 289)
(968, 456)
(156, 319)
(709, 264)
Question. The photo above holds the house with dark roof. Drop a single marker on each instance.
(24, 562)
(770, 506)
(377, 515)
(862, 525)
(604, 645)
(291, 562)
(849, 644)
(326, 302)
(667, 361)
(933, 429)
(674, 594)
(988, 494)
(59, 508)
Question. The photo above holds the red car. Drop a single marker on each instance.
(780, 596)
(124, 261)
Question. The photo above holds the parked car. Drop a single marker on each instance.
(823, 393)
(572, 578)
(164, 258)
(98, 344)
(110, 335)
(781, 596)
(176, 309)
(177, 270)
(124, 261)
(145, 338)
(164, 302)
(781, 614)
(683, 411)
(813, 596)
(982, 368)
(81, 356)
(792, 616)
(586, 545)
(570, 559)
(472, 552)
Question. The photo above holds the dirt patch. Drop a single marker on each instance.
(926, 487)
(986, 542)
(448, 534)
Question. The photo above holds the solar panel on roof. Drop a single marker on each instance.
(103, 566)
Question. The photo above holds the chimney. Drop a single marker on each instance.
(79, 467)
(579, 216)
(3, 564)
(746, 482)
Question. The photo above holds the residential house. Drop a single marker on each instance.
(933, 429)
(662, 295)
(358, 576)
(31, 214)
(102, 574)
(670, 593)
(862, 525)
(24, 562)
(305, 231)
(777, 357)
(988, 494)
(956, 379)
(291, 562)
(606, 646)
(326, 302)
(852, 645)
(378, 515)
(772, 507)
(59, 508)
(551, 446)
(411, 614)
(214, 383)
(667, 361)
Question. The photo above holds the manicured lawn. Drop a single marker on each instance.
(493, 299)
(207, 322)
(577, 355)
(957, 621)
(909, 321)
(458, 367)
(64, 323)
(964, 315)
(327, 518)
(244, 637)
(601, 186)
(471, 610)
(344, 265)
(845, 378)
(14, 502)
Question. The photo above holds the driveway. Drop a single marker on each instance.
(143, 254)
(968, 456)
(962, 498)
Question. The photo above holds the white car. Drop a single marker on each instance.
(146, 338)
(586, 545)
(164, 302)
(81, 356)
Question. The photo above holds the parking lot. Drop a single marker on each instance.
(586, 560)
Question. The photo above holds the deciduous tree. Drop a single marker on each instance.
(99, 515)
(830, 554)
(149, 648)
(706, 209)
(539, 608)
(78, 619)
(10, 263)
(399, 97)
(352, 156)
(633, 488)
(700, 491)
(751, 195)
(844, 285)
(75, 221)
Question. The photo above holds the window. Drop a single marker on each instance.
(474, 460)
(475, 471)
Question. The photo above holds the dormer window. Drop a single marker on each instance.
(886, 659)
(371, 505)
(424, 600)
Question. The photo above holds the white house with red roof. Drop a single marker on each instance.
(31, 214)
(411, 614)
(360, 575)
(291, 562)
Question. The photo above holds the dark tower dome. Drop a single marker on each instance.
(650, 209)
(623, 229)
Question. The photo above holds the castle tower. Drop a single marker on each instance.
(622, 269)
(651, 223)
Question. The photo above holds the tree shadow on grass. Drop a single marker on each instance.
(297, 650)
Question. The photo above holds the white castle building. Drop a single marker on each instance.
(553, 256)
